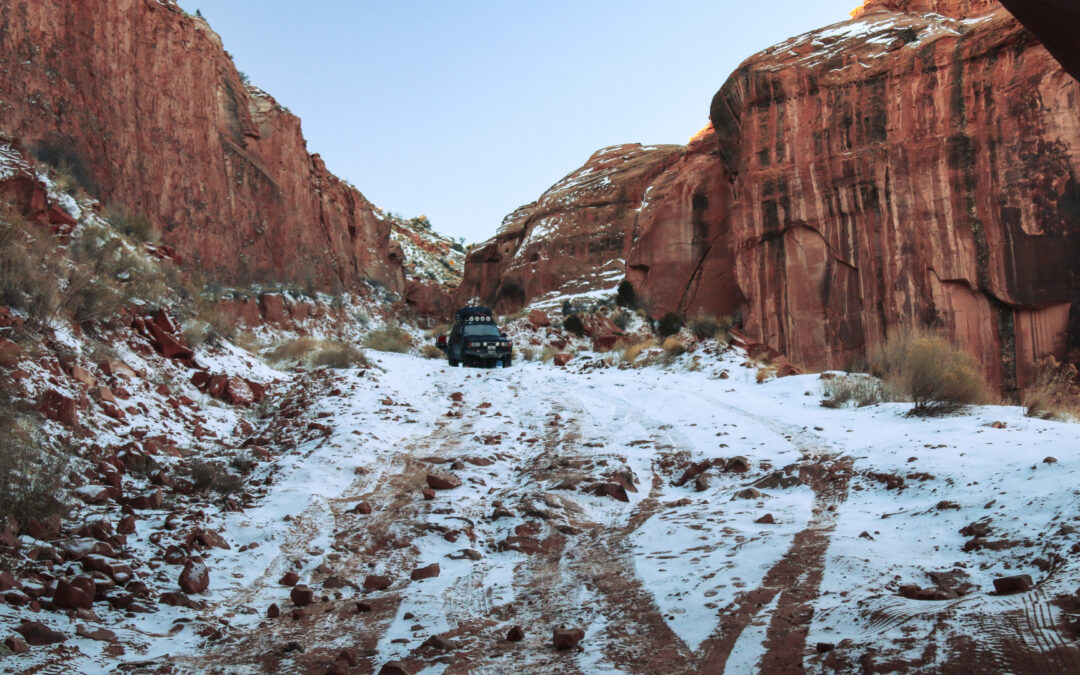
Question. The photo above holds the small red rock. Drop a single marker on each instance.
(362, 508)
(562, 358)
(427, 572)
(567, 638)
(195, 578)
(515, 634)
(126, 525)
(428, 493)
(289, 579)
(376, 582)
(443, 481)
(766, 519)
(17, 645)
(273, 611)
(37, 633)
(68, 596)
(1015, 584)
(302, 595)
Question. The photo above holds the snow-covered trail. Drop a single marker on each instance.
(679, 577)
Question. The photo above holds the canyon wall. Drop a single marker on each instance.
(907, 169)
(140, 102)
(914, 166)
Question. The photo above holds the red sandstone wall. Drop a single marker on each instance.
(142, 100)
(906, 169)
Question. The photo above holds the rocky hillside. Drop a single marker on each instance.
(882, 171)
(433, 265)
(139, 103)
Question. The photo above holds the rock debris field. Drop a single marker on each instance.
(415, 518)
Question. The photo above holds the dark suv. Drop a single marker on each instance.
(476, 340)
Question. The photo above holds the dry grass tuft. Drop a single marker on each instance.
(431, 352)
(391, 338)
(631, 350)
(339, 355)
(1055, 395)
(863, 390)
(315, 353)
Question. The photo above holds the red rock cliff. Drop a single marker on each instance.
(907, 168)
(143, 103)
(655, 216)
(574, 239)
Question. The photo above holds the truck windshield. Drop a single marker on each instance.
(481, 330)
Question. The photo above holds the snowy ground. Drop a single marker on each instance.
(676, 578)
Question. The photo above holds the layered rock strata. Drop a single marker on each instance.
(142, 105)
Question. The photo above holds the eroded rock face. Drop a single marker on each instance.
(575, 238)
(146, 107)
(894, 170)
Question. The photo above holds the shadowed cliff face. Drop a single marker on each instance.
(141, 101)
(1056, 23)
(906, 168)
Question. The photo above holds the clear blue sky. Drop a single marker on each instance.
(464, 110)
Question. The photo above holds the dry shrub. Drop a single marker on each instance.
(704, 325)
(765, 372)
(196, 333)
(923, 367)
(390, 338)
(1055, 395)
(30, 473)
(548, 353)
(138, 226)
(630, 351)
(431, 352)
(863, 390)
(29, 268)
(673, 346)
(338, 355)
(214, 476)
(441, 329)
(294, 350)
(318, 353)
(574, 325)
(528, 353)
(670, 324)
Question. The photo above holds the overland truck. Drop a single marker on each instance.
(475, 340)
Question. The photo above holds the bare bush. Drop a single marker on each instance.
(1055, 394)
(934, 374)
(29, 268)
(862, 390)
(391, 338)
(214, 476)
(138, 226)
(30, 473)
(338, 355)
